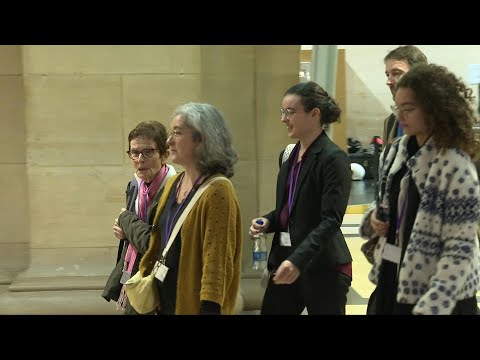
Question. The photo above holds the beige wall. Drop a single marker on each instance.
(14, 219)
(81, 102)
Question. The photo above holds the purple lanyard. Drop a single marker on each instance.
(402, 211)
(293, 185)
(169, 224)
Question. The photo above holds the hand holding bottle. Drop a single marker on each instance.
(259, 225)
(259, 254)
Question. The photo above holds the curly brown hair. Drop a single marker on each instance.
(449, 104)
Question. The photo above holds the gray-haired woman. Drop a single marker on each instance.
(203, 262)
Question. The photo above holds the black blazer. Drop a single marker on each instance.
(319, 204)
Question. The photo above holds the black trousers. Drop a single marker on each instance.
(322, 293)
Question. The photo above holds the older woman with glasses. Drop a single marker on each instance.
(148, 151)
(426, 261)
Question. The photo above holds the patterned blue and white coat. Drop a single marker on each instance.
(441, 262)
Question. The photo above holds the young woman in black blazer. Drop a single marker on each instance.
(309, 263)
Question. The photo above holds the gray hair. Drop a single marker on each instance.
(215, 153)
(409, 53)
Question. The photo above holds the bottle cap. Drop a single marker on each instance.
(259, 222)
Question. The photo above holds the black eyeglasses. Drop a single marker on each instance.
(146, 153)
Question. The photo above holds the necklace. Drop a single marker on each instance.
(185, 193)
(182, 194)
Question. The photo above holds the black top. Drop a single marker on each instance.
(168, 288)
(386, 291)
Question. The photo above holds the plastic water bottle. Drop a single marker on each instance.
(259, 250)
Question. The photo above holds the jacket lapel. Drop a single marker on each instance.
(315, 148)
(132, 193)
(282, 179)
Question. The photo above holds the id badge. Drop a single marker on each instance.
(285, 239)
(161, 272)
(125, 276)
(392, 253)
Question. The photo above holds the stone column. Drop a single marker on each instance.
(324, 71)
(247, 83)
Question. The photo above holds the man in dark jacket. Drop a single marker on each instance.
(398, 62)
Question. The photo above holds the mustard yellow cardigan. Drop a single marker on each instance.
(211, 249)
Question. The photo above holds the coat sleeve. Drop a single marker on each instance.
(136, 231)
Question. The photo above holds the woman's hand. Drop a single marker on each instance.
(380, 227)
(259, 228)
(286, 273)
(117, 231)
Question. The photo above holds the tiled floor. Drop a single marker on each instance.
(362, 192)
(361, 286)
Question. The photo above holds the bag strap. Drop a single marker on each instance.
(287, 152)
(189, 207)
